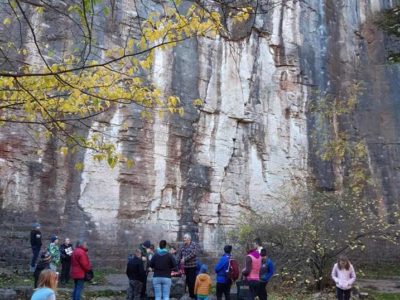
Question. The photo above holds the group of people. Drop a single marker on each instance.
(166, 262)
(257, 272)
(73, 261)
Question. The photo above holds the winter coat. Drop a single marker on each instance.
(189, 254)
(162, 263)
(36, 238)
(54, 251)
(80, 263)
(203, 284)
(344, 279)
(135, 269)
(267, 270)
(221, 269)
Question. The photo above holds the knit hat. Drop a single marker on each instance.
(35, 226)
(53, 238)
(203, 268)
(147, 244)
(45, 257)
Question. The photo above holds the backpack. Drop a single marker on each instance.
(233, 270)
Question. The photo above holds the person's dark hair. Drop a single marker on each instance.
(263, 252)
(344, 259)
(163, 244)
(257, 241)
(228, 249)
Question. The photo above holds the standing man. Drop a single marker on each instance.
(80, 264)
(36, 244)
(221, 269)
(136, 274)
(65, 253)
(188, 258)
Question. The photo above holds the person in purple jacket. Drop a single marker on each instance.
(344, 276)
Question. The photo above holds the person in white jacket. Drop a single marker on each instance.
(344, 276)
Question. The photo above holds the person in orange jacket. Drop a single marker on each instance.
(203, 284)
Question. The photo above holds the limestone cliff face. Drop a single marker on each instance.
(247, 149)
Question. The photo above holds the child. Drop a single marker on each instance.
(344, 276)
(203, 284)
(266, 272)
(54, 251)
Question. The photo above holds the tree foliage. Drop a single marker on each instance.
(389, 21)
(341, 144)
(315, 228)
(59, 88)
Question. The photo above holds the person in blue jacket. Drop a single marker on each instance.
(266, 272)
(221, 269)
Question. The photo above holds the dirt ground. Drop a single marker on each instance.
(380, 285)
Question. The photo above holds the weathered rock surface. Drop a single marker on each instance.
(247, 149)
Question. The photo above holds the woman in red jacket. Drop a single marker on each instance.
(80, 264)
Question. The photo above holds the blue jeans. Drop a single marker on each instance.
(162, 286)
(35, 254)
(76, 294)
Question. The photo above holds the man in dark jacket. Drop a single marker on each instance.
(65, 254)
(136, 274)
(36, 244)
(221, 269)
(188, 258)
